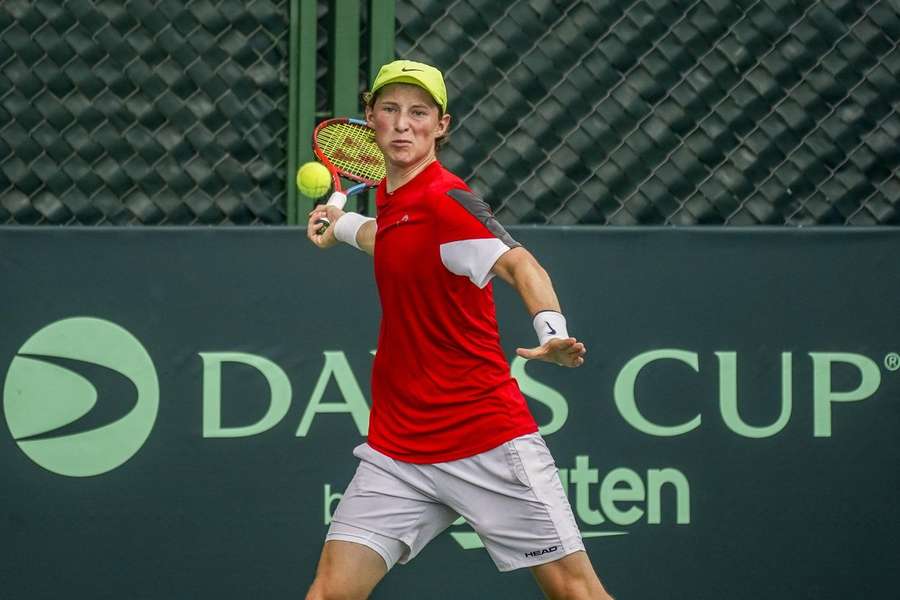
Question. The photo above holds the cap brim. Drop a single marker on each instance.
(411, 80)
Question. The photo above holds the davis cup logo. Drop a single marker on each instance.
(53, 407)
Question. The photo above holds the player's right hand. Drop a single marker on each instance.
(323, 239)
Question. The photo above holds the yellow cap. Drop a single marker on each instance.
(416, 73)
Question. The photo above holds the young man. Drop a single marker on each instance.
(450, 433)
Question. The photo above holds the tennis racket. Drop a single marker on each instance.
(347, 148)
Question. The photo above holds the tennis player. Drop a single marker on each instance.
(450, 433)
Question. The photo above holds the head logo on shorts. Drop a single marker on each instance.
(81, 397)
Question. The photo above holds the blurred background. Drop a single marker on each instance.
(607, 112)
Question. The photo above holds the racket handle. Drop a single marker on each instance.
(338, 199)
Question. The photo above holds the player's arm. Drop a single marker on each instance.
(352, 228)
(521, 270)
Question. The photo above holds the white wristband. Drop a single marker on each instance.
(347, 227)
(549, 324)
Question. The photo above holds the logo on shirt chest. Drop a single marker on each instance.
(395, 221)
(401, 241)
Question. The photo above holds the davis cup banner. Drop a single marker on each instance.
(179, 409)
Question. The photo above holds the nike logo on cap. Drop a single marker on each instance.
(405, 70)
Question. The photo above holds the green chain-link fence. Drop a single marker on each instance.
(657, 112)
(147, 112)
(626, 112)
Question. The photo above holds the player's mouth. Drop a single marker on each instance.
(401, 143)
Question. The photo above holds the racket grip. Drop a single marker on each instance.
(337, 199)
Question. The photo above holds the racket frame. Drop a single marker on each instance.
(362, 183)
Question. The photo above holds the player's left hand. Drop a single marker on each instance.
(566, 352)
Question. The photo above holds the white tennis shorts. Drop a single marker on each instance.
(511, 495)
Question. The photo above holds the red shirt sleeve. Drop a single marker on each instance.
(471, 240)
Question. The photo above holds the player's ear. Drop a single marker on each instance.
(443, 125)
(369, 116)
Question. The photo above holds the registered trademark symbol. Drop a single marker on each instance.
(892, 361)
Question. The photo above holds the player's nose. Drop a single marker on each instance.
(401, 124)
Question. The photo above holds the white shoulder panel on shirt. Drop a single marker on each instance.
(473, 258)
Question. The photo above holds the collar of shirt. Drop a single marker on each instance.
(414, 184)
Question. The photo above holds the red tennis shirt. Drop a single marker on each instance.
(441, 386)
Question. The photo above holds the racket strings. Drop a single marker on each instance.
(352, 149)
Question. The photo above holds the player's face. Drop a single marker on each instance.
(406, 122)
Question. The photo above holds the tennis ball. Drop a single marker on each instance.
(313, 179)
